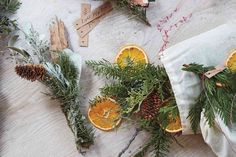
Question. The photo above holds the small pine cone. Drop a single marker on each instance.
(150, 106)
(31, 72)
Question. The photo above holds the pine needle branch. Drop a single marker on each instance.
(9, 6)
(7, 25)
(217, 97)
(61, 79)
(67, 91)
(136, 10)
(132, 85)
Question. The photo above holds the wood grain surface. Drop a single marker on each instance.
(32, 125)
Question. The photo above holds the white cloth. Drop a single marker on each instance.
(210, 49)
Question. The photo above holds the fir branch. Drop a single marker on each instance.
(137, 10)
(116, 90)
(214, 100)
(133, 83)
(7, 25)
(9, 6)
(169, 108)
(195, 113)
(66, 90)
(61, 80)
(160, 142)
(104, 68)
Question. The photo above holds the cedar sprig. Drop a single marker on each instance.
(132, 83)
(131, 86)
(9, 6)
(159, 142)
(217, 97)
(137, 10)
(7, 25)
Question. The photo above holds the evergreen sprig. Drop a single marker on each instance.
(9, 6)
(159, 142)
(68, 92)
(137, 10)
(131, 85)
(7, 25)
(218, 96)
(61, 80)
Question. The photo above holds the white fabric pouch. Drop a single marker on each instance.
(210, 49)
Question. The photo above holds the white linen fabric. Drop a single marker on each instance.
(210, 49)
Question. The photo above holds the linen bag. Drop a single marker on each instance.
(210, 49)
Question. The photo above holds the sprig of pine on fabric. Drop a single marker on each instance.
(60, 77)
(218, 96)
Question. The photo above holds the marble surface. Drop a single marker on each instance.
(31, 124)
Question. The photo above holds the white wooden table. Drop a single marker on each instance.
(32, 125)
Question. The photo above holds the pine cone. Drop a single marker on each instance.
(150, 106)
(31, 72)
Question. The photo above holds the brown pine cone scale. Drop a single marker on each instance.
(150, 106)
(31, 72)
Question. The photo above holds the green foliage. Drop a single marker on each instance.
(40, 47)
(132, 83)
(159, 142)
(214, 100)
(61, 80)
(136, 10)
(7, 25)
(65, 88)
(9, 6)
(130, 87)
(169, 108)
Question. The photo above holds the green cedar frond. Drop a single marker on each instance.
(132, 83)
(131, 86)
(160, 142)
(195, 113)
(196, 68)
(7, 25)
(9, 6)
(116, 90)
(169, 108)
(136, 10)
(214, 100)
(104, 68)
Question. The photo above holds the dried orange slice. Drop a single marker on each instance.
(105, 114)
(231, 61)
(132, 52)
(174, 125)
